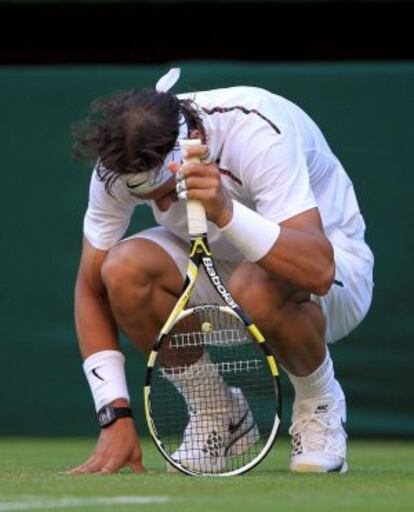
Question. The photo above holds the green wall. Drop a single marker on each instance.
(366, 111)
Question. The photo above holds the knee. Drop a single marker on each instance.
(258, 294)
(124, 273)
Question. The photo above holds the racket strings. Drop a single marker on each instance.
(220, 337)
(230, 367)
(216, 413)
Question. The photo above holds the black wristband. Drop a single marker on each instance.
(108, 415)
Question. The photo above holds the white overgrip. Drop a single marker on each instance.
(196, 214)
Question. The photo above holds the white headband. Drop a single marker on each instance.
(148, 181)
(167, 81)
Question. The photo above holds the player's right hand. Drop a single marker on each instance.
(117, 447)
(202, 181)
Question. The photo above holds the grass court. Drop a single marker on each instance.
(381, 479)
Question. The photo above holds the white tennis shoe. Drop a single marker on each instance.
(211, 437)
(318, 434)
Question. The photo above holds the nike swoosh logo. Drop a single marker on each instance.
(235, 426)
(135, 185)
(97, 375)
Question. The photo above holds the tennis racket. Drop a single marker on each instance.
(212, 393)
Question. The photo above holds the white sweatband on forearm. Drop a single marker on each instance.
(106, 376)
(252, 234)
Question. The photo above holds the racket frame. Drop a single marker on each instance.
(200, 255)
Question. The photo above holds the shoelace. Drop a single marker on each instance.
(314, 429)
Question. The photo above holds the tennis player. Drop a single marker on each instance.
(284, 226)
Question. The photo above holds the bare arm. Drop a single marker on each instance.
(118, 445)
(302, 254)
(95, 325)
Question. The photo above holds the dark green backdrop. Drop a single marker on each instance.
(366, 111)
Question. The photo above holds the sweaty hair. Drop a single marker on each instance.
(131, 132)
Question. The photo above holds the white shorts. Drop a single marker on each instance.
(344, 307)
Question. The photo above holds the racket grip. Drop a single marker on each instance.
(196, 214)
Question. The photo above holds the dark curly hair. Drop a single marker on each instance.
(131, 132)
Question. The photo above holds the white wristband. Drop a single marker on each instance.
(106, 376)
(251, 233)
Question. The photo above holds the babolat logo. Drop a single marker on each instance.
(215, 279)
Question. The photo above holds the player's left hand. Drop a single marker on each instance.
(202, 181)
(118, 446)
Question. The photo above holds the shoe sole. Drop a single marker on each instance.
(204, 469)
(314, 468)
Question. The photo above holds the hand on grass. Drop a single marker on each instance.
(117, 447)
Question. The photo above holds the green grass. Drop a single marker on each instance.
(381, 478)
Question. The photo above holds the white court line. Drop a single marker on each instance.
(81, 502)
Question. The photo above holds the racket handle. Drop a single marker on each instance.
(196, 214)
